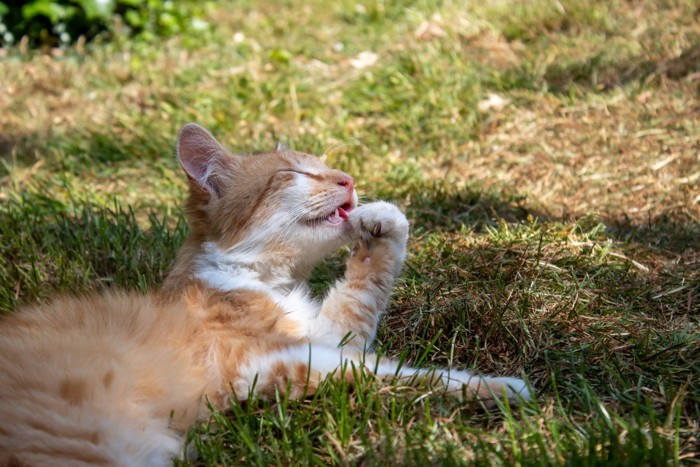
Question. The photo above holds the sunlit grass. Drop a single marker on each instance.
(555, 226)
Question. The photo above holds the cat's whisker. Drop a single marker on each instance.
(331, 148)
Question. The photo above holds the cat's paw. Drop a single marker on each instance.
(488, 389)
(515, 389)
(379, 220)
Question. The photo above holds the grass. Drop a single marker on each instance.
(556, 228)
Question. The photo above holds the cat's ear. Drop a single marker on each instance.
(201, 155)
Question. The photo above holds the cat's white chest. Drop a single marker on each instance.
(228, 271)
(298, 305)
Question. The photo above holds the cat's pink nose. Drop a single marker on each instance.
(346, 181)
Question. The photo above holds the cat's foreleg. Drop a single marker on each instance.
(355, 303)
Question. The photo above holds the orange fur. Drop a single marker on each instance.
(116, 379)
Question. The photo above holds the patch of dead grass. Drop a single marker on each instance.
(622, 156)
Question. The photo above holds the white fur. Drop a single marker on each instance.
(229, 271)
(299, 306)
(516, 386)
(242, 267)
(394, 225)
(325, 360)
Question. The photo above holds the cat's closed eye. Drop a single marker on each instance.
(301, 172)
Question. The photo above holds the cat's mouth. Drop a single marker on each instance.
(337, 216)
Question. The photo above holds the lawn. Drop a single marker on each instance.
(546, 153)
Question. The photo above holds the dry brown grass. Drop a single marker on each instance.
(624, 157)
(547, 154)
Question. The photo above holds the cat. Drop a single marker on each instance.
(117, 378)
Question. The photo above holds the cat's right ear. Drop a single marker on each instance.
(202, 157)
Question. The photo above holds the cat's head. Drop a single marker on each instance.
(282, 202)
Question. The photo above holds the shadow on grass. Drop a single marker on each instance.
(86, 148)
(535, 293)
(18, 149)
(670, 234)
(593, 72)
(438, 208)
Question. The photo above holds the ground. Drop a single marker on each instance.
(547, 155)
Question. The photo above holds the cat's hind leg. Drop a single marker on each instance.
(355, 303)
(299, 369)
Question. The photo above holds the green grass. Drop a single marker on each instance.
(556, 236)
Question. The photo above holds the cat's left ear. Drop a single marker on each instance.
(202, 157)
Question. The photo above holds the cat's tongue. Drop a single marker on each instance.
(338, 216)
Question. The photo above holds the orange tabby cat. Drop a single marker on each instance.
(116, 379)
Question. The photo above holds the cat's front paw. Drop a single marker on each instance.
(379, 220)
